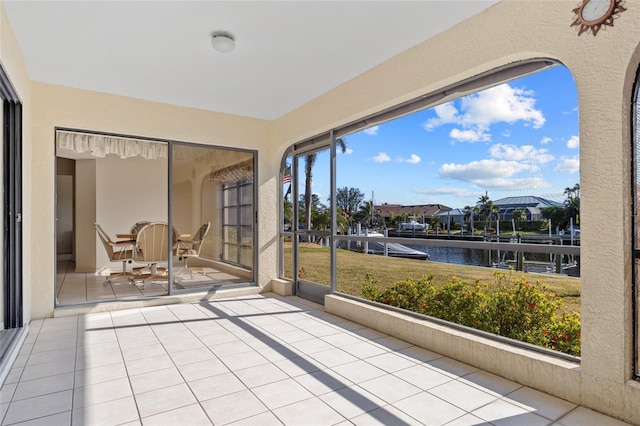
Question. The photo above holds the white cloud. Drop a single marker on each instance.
(478, 134)
(527, 153)
(456, 192)
(372, 130)
(501, 103)
(414, 159)
(511, 184)
(545, 140)
(568, 165)
(447, 113)
(382, 157)
(483, 169)
(573, 142)
(506, 133)
(347, 151)
(493, 174)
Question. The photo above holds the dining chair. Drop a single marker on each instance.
(152, 247)
(186, 248)
(117, 251)
(138, 226)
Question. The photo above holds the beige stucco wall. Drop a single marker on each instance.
(604, 68)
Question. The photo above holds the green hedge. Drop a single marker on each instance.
(510, 308)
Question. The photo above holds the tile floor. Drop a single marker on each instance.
(254, 360)
(74, 288)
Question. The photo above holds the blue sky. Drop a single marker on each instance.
(518, 138)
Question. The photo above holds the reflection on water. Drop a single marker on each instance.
(464, 256)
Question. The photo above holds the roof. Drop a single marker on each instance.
(452, 212)
(428, 210)
(525, 201)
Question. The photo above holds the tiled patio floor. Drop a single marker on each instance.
(254, 360)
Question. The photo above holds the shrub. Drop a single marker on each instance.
(512, 308)
(407, 294)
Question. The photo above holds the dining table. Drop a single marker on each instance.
(126, 236)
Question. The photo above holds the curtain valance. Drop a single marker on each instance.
(101, 146)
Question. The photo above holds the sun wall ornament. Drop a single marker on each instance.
(591, 15)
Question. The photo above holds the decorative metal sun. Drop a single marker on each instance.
(591, 15)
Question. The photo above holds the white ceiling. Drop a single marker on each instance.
(287, 52)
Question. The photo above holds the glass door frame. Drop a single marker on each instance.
(254, 270)
(301, 287)
(171, 144)
(12, 275)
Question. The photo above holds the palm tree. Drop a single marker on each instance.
(518, 216)
(489, 210)
(366, 212)
(572, 203)
(470, 213)
(482, 200)
(310, 161)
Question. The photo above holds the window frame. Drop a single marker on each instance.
(635, 223)
(327, 140)
(238, 187)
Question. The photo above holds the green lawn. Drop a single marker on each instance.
(352, 268)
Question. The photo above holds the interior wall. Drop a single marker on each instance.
(65, 180)
(211, 206)
(182, 205)
(85, 234)
(128, 191)
(64, 214)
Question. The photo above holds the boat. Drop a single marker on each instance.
(393, 249)
(412, 225)
(397, 250)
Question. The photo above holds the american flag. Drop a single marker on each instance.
(286, 179)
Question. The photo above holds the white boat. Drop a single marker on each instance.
(412, 225)
(393, 249)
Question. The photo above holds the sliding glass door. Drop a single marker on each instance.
(11, 300)
(145, 217)
(213, 213)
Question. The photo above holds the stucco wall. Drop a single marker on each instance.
(604, 68)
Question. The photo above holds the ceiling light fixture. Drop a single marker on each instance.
(223, 42)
